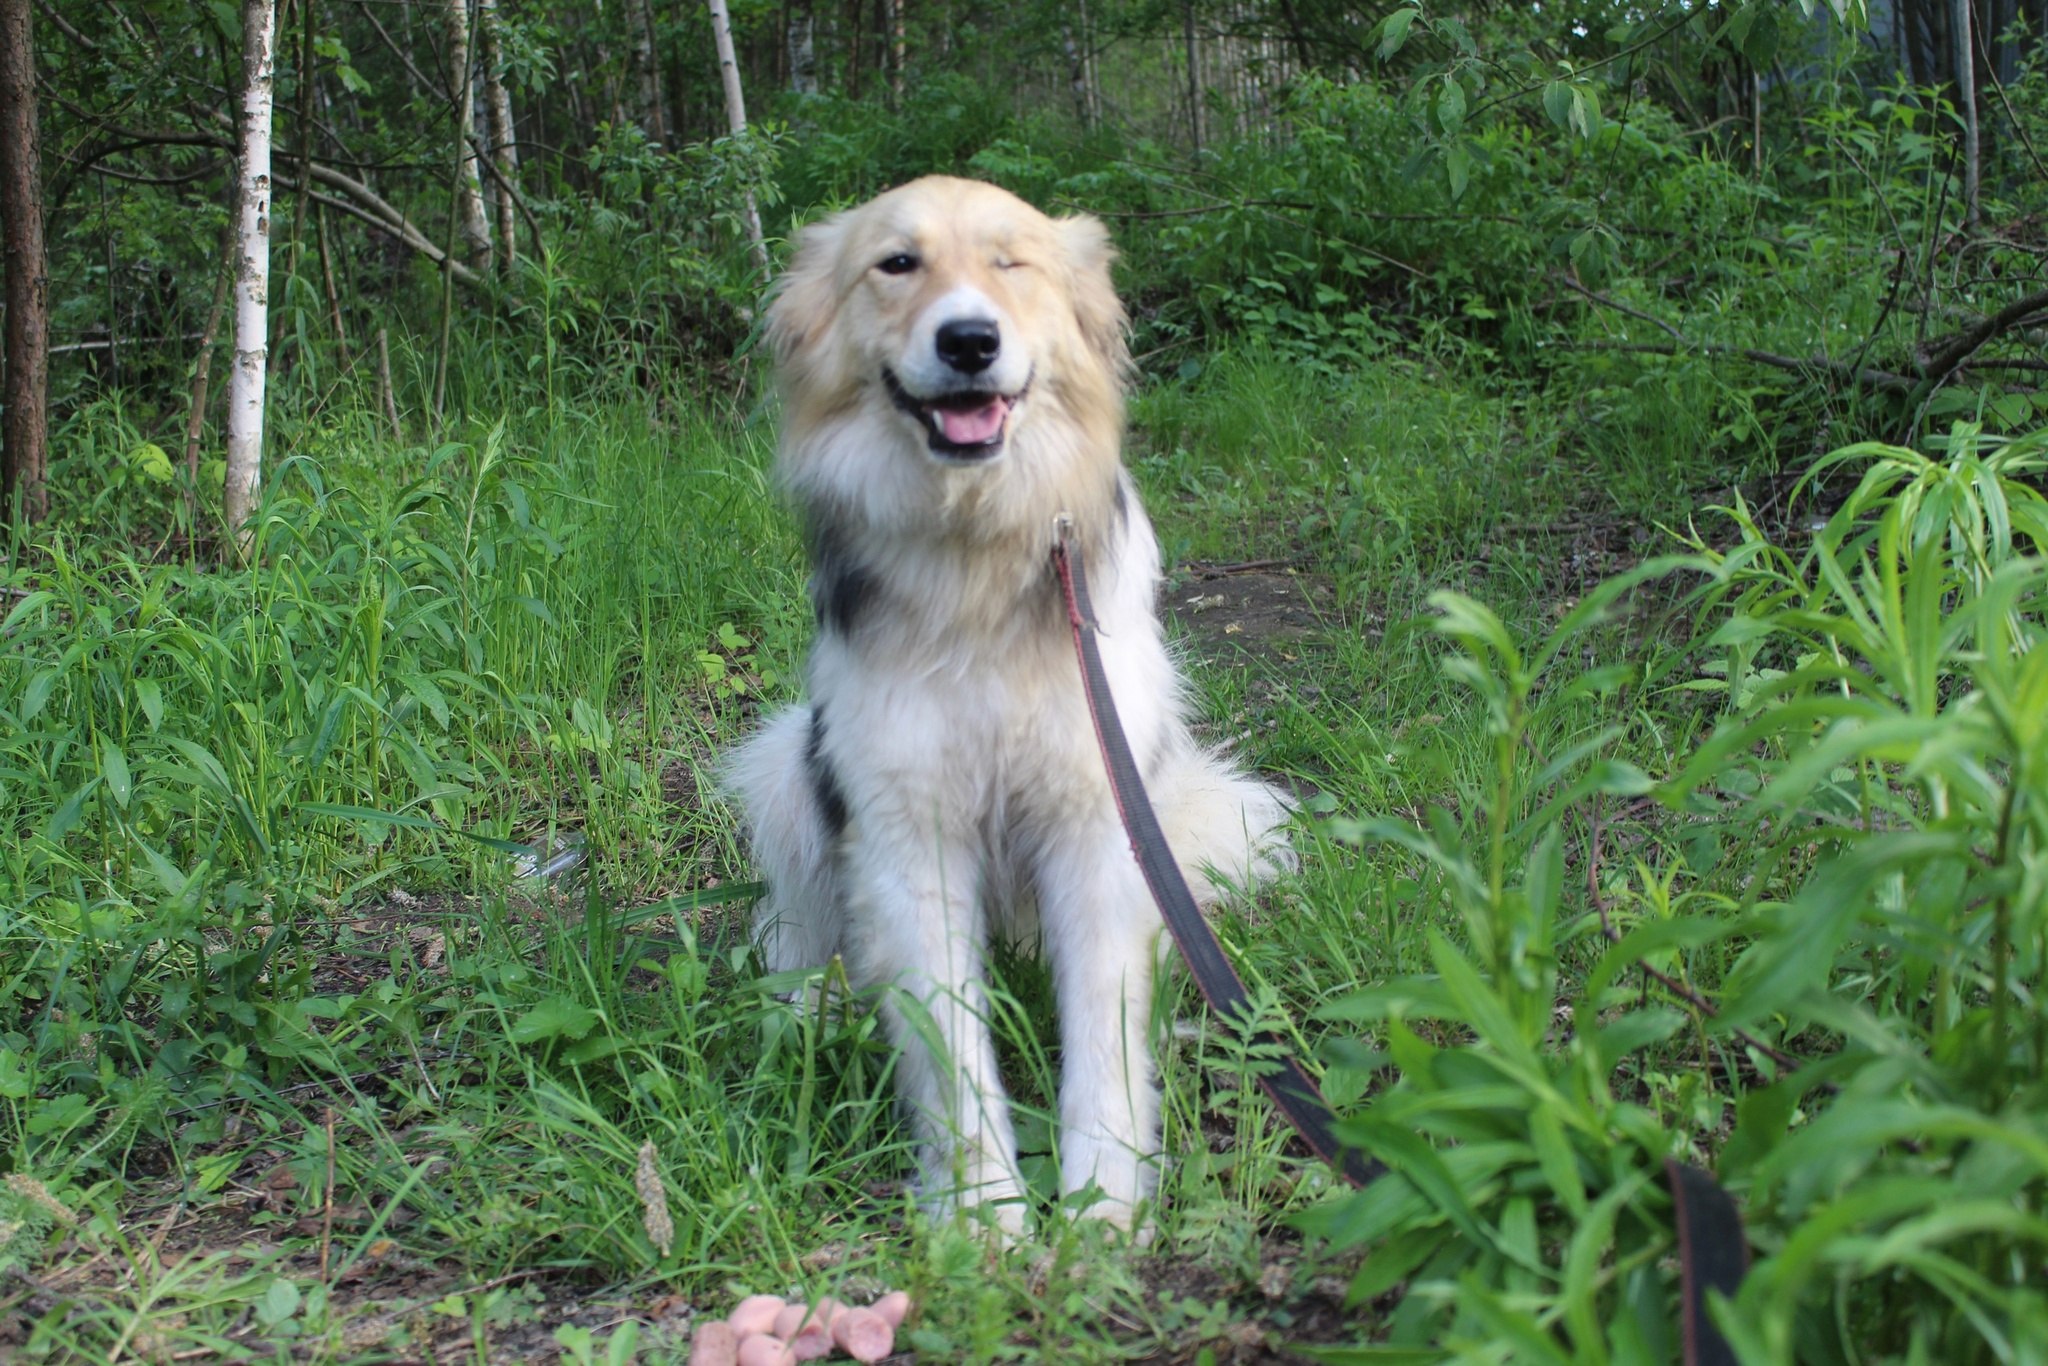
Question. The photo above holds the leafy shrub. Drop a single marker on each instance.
(1837, 918)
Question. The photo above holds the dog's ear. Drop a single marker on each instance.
(1096, 307)
(808, 291)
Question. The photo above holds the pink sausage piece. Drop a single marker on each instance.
(864, 1334)
(763, 1350)
(714, 1344)
(893, 1307)
(789, 1318)
(811, 1344)
(754, 1314)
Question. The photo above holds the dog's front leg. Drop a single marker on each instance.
(1102, 934)
(921, 934)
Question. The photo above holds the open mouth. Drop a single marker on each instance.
(965, 425)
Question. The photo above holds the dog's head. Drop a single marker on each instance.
(955, 311)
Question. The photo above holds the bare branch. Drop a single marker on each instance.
(1967, 343)
(379, 213)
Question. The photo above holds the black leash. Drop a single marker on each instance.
(1291, 1088)
(1712, 1248)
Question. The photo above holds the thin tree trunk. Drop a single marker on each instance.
(647, 73)
(475, 237)
(384, 383)
(25, 484)
(304, 129)
(447, 327)
(1077, 75)
(1187, 32)
(113, 297)
(504, 146)
(1966, 92)
(899, 48)
(1756, 120)
(202, 372)
(252, 268)
(856, 31)
(803, 47)
(736, 116)
(333, 296)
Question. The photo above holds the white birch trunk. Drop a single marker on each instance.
(736, 115)
(504, 144)
(803, 48)
(1966, 92)
(252, 269)
(469, 195)
(647, 75)
(899, 48)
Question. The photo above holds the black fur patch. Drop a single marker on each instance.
(824, 782)
(1123, 501)
(841, 587)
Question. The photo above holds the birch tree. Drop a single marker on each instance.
(803, 48)
(504, 148)
(469, 190)
(252, 268)
(646, 60)
(736, 115)
(27, 434)
(1966, 98)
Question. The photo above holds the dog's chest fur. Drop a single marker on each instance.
(943, 670)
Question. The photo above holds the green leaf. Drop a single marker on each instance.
(1394, 31)
(114, 768)
(720, 895)
(1585, 116)
(1458, 166)
(37, 695)
(1781, 965)
(15, 1081)
(1450, 107)
(1422, 997)
(1418, 1164)
(66, 817)
(150, 698)
(558, 1017)
(1761, 1118)
(1760, 44)
(23, 608)
(427, 695)
(1391, 1262)
(279, 1303)
(149, 458)
(1633, 1032)
(365, 813)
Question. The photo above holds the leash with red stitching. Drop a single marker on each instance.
(1713, 1251)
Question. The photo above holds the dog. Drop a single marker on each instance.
(951, 365)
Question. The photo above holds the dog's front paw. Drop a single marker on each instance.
(1102, 1178)
(993, 1198)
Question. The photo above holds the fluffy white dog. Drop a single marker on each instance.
(951, 363)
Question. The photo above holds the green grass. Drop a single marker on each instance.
(266, 828)
(517, 634)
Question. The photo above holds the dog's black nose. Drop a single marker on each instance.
(969, 345)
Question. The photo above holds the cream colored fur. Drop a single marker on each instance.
(946, 724)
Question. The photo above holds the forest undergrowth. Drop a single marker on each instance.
(317, 1057)
(1633, 558)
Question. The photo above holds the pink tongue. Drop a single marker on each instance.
(973, 426)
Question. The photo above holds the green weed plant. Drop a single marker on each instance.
(1829, 996)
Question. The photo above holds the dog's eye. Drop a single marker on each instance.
(902, 263)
